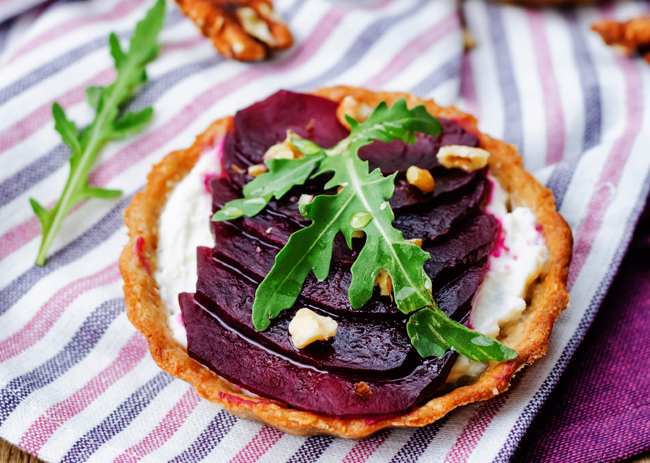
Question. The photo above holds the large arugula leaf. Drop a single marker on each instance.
(107, 125)
(360, 206)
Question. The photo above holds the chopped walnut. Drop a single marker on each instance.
(257, 169)
(627, 37)
(350, 107)
(363, 390)
(285, 149)
(462, 157)
(385, 283)
(245, 30)
(420, 178)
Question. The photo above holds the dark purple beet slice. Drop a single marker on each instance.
(255, 258)
(249, 365)
(370, 347)
(408, 197)
(398, 156)
(439, 220)
(463, 248)
(455, 298)
(264, 124)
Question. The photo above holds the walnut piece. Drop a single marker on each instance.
(284, 149)
(462, 157)
(307, 326)
(244, 30)
(420, 178)
(363, 390)
(627, 37)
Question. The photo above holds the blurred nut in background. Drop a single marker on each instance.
(244, 30)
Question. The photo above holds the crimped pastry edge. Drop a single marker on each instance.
(529, 335)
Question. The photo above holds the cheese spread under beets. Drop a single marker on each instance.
(371, 344)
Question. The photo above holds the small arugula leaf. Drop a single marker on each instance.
(132, 122)
(94, 96)
(433, 333)
(100, 193)
(396, 123)
(106, 101)
(283, 174)
(44, 216)
(116, 50)
(67, 129)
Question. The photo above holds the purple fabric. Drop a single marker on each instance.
(600, 409)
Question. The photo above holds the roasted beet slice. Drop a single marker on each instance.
(251, 366)
(371, 347)
(397, 156)
(455, 297)
(256, 258)
(442, 217)
(264, 124)
(461, 249)
(407, 198)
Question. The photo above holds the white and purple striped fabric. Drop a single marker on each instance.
(76, 380)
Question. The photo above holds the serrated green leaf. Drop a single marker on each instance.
(67, 129)
(397, 123)
(106, 101)
(94, 96)
(360, 206)
(283, 174)
(433, 333)
(116, 50)
(132, 122)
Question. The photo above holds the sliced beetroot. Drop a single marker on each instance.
(264, 124)
(371, 347)
(455, 297)
(407, 198)
(442, 217)
(398, 156)
(462, 248)
(250, 366)
(256, 258)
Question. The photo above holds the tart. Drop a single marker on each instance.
(367, 377)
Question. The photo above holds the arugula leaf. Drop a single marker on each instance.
(106, 126)
(395, 123)
(433, 333)
(283, 174)
(360, 206)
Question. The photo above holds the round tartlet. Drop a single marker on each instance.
(528, 335)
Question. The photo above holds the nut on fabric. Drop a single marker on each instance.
(626, 37)
(244, 30)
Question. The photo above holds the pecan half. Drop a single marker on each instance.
(245, 30)
(627, 37)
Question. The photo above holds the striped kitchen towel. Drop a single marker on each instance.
(76, 380)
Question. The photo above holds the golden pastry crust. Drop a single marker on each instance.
(529, 335)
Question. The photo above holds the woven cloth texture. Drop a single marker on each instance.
(600, 409)
(76, 380)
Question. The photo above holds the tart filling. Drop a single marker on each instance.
(369, 367)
